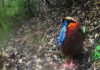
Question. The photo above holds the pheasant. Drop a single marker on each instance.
(70, 41)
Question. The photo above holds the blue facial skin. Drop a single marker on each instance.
(62, 33)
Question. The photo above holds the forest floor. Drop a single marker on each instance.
(30, 48)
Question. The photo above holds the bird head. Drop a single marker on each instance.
(70, 23)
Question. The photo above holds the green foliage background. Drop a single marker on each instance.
(12, 10)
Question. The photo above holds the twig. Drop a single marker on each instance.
(94, 28)
(54, 52)
(97, 2)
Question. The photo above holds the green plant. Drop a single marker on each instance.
(96, 53)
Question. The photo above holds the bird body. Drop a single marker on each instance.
(70, 38)
(72, 43)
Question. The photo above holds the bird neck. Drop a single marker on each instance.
(65, 23)
(73, 26)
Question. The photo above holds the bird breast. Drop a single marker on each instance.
(72, 43)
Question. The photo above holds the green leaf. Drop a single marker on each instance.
(96, 53)
(85, 29)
